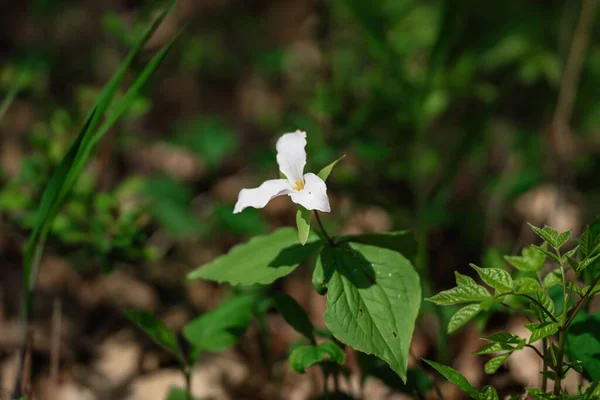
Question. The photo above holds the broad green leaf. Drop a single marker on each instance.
(221, 327)
(583, 343)
(324, 173)
(303, 223)
(464, 280)
(157, 330)
(455, 377)
(294, 314)
(526, 285)
(178, 394)
(463, 316)
(542, 330)
(373, 300)
(551, 236)
(503, 337)
(496, 278)
(553, 278)
(321, 277)
(305, 356)
(546, 301)
(530, 260)
(402, 242)
(492, 365)
(460, 294)
(488, 393)
(262, 259)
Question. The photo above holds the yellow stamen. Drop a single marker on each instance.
(298, 185)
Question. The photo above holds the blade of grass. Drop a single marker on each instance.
(73, 163)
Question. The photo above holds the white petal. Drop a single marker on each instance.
(314, 194)
(291, 155)
(260, 196)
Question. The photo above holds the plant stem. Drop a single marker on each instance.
(544, 366)
(559, 362)
(582, 301)
(188, 383)
(323, 231)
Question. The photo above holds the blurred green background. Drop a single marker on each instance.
(446, 111)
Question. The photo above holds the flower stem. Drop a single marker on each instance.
(323, 231)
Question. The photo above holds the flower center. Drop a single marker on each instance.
(298, 185)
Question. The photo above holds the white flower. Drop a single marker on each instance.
(308, 190)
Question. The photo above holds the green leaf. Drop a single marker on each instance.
(303, 223)
(462, 316)
(305, 356)
(221, 327)
(530, 260)
(178, 394)
(373, 300)
(553, 256)
(553, 278)
(460, 294)
(542, 330)
(294, 314)
(402, 242)
(504, 337)
(454, 377)
(546, 301)
(464, 280)
(526, 285)
(586, 263)
(492, 365)
(488, 393)
(496, 278)
(551, 236)
(583, 343)
(494, 347)
(263, 259)
(157, 330)
(324, 173)
(417, 378)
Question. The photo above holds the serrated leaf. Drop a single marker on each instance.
(503, 337)
(157, 330)
(464, 280)
(570, 253)
(305, 356)
(494, 347)
(586, 263)
(462, 316)
(530, 260)
(492, 365)
(542, 330)
(324, 173)
(454, 377)
(373, 301)
(496, 278)
(546, 301)
(488, 393)
(553, 278)
(221, 327)
(262, 259)
(402, 242)
(526, 285)
(551, 236)
(294, 314)
(303, 223)
(460, 294)
(589, 245)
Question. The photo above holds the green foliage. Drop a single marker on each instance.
(324, 173)
(462, 316)
(551, 236)
(303, 223)
(373, 300)
(303, 357)
(263, 259)
(402, 242)
(158, 331)
(531, 259)
(222, 327)
(294, 314)
(583, 344)
(178, 394)
(461, 294)
(455, 377)
(496, 278)
(417, 379)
